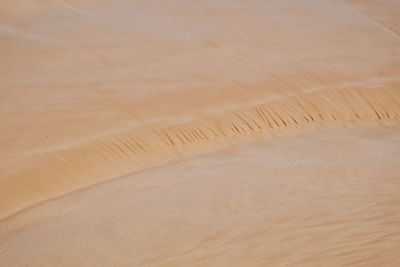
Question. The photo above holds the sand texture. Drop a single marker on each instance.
(199, 133)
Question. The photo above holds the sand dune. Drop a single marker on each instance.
(94, 93)
(101, 158)
(317, 199)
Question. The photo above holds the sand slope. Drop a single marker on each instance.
(114, 87)
(59, 170)
(91, 91)
(326, 199)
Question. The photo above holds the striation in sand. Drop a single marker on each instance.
(92, 91)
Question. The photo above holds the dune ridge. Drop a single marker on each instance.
(199, 133)
(102, 159)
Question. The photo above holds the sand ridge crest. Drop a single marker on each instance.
(116, 155)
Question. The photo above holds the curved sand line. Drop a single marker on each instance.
(95, 90)
(98, 160)
(313, 199)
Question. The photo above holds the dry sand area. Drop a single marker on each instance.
(199, 133)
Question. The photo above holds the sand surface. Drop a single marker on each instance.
(199, 133)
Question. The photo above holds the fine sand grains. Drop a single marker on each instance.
(139, 94)
(60, 171)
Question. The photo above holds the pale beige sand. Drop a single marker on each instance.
(94, 90)
(323, 199)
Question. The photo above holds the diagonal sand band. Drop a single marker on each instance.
(105, 158)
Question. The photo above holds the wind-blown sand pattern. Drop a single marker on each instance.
(199, 133)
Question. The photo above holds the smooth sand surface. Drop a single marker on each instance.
(320, 199)
(205, 133)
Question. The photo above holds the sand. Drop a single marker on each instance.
(199, 133)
